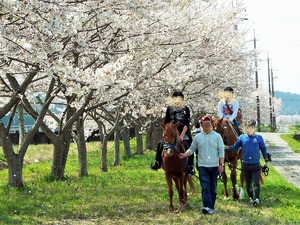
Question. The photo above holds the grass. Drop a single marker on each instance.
(294, 145)
(129, 194)
(289, 138)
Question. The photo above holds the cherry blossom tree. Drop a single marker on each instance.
(122, 55)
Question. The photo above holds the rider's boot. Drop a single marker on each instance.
(156, 165)
(158, 159)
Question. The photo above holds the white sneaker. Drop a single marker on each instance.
(206, 210)
(251, 201)
(211, 211)
(256, 202)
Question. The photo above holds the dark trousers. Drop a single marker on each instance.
(252, 179)
(160, 147)
(208, 177)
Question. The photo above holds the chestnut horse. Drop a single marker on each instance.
(229, 135)
(174, 167)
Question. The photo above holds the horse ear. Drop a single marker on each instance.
(221, 120)
(162, 125)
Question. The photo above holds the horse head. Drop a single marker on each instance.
(224, 129)
(217, 126)
(171, 138)
(170, 132)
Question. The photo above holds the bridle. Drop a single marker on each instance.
(219, 128)
(170, 148)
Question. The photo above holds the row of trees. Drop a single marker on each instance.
(109, 65)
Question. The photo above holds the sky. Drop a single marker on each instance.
(276, 26)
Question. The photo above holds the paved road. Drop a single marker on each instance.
(284, 160)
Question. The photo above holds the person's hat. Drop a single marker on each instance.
(177, 94)
(205, 118)
(229, 89)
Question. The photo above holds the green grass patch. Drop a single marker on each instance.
(129, 194)
(292, 142)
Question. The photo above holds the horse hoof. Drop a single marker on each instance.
(226, 198)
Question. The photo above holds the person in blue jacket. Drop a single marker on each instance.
(252, 145)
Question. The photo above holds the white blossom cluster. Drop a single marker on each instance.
(129, 54)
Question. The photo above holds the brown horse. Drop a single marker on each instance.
(229, 136)
(174, 167)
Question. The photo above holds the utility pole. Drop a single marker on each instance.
(273, 108)
(270, 95)
(256, 86)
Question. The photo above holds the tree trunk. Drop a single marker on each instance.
(21, 123)
(117, 137)
(62, 147)
(154, 135)
(139, 142)
(14, 161)
(126, 141)
(57, 170)
(60, 155)
(149, 136)
(104, 154)
(15, 174)
(81, 146)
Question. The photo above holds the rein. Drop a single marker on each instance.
(264, 169)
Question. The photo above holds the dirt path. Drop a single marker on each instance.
(284, 160)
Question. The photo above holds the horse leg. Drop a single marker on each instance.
(235, 194)
(170, 190)
(179, 187)
(242, 193)
(224, 180)
(185, 179)
(242, 178)
(182, 185)
(191, 184)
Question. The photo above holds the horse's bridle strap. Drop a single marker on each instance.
(168, 145)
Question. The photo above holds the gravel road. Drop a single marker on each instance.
(284, 160)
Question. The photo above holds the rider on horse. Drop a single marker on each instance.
(228, 108)
(176, 111)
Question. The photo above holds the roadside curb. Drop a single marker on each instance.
(284, 160)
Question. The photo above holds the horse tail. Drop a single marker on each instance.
(261, 180)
